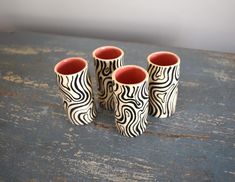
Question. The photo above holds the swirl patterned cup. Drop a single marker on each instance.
(106, 60)
(164, 72)
(75, 89)
(130, 93)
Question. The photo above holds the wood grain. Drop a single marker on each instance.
(37, 143)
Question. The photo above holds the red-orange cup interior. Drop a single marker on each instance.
(70, 66)
(107, 52)
(130, 74)
(163, 58)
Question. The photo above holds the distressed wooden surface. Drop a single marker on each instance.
(37, 143)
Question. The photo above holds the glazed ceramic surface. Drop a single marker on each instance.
(131, 100)
(106, 60)
(76, 91)
(164, 72)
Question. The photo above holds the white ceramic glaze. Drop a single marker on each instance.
(106, 60)
(75, 89)
(130, 93)
(164, 72)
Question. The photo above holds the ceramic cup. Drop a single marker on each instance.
(75, 89)
(130, 93)
(164, 72)
(106, 60)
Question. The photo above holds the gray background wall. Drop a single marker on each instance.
(200, 24)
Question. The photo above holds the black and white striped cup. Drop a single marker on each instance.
(164, 72)
(106, 60)
(130, 93)
(75, 88)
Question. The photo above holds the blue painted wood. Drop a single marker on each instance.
(37, 143)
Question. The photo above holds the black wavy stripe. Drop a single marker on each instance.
(163, 90)
(131, 108)
(78, 98)
(104, 70)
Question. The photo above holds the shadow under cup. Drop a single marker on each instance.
(164, 72)
(130, 92)
(75, 89)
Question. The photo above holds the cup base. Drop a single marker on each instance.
(82, 118)
(136, 134)
(162, 116)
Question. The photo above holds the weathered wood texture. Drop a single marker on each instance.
(37, 143)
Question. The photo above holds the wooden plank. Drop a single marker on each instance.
(37, 143)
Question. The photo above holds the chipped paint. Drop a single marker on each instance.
(225, 59)
(230, 172)
(75, 53)
(104, 167)
(220, 75)
(189, 84)
(24, 50)
(44, 110)
(11, 77)
(28, 50)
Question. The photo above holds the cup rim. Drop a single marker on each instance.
(69, 59)
(130, 84)
(107, 46)
(164, 52)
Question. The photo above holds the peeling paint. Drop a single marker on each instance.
(103, 167)
(24, 50)
(220, 75)
(230, 172)
(75, 53)
(11, 77)
(225, 59)
(28, 50)
(189, 84)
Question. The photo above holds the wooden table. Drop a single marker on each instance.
(37, 143)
